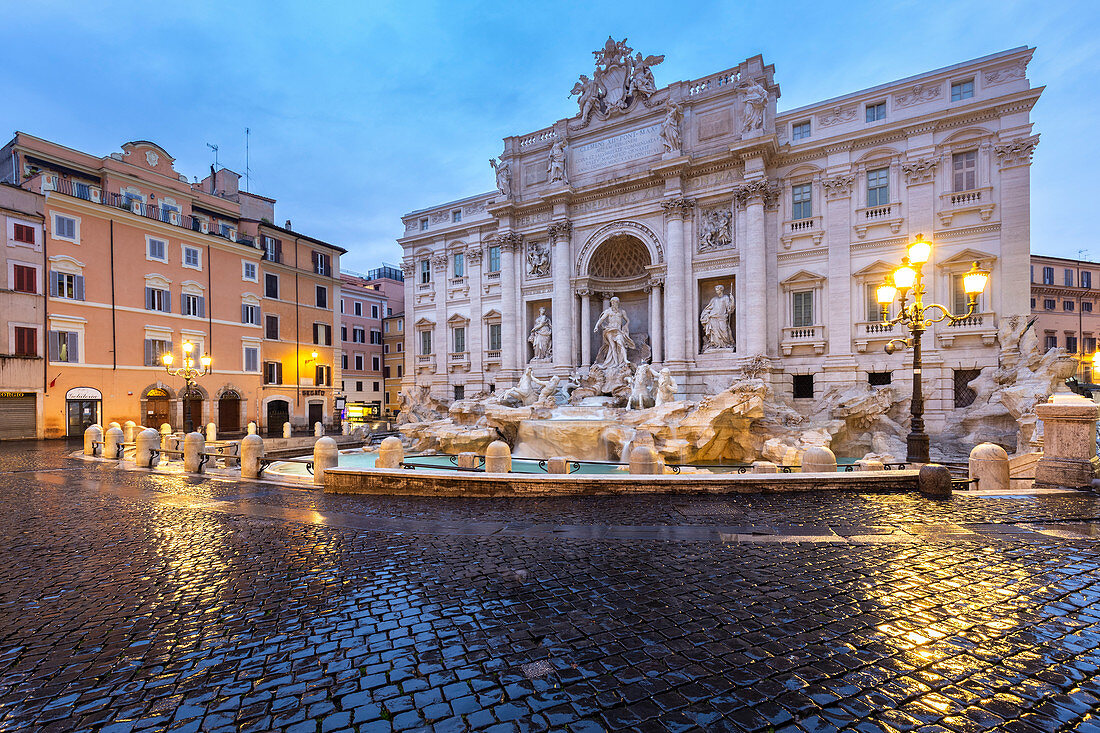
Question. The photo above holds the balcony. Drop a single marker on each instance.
(425, 362)
(982, 325)
(977, 199)
(808, 227)
(492, 355)
(868, 332)
(799, 336)
(96, 195)
(869, 216)
(458, 360)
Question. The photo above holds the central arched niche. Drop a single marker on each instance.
(619, 267)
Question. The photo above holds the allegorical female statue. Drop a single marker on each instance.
(556, 167)
(541, 337)
(616, 336)
(716, 321)
(504, 176)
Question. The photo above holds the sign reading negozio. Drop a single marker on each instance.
(619, 149)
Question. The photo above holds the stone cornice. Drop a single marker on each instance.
(966, 232)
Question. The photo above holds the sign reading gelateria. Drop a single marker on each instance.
(83, 393)
(619, 149)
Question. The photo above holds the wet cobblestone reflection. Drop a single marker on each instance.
(138, 602)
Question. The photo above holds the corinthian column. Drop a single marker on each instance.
(509, 316)
(757, 320)
(676, 211)
(560, 232)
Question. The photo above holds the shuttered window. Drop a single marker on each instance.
(322, 334)
(250, 314)
(251, 359)
(194, 305)
(24, 234)
(66, 285)
(271, 285)
(65, 346)
(24, 279)
(157, 299)
(155, 349)
(271, 327)
(273, 372)
(26, 341)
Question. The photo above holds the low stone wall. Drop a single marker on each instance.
(458, 483)
(303, 445)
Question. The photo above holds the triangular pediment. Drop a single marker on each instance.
(491, 314)
(458, 318)
(802, 277)
(875, 269)
(967, 256)
(423, 321)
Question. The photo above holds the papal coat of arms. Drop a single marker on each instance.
(619, 81)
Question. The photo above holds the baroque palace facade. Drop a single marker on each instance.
(728, 231)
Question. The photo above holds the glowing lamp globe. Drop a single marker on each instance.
(974, 280)
(167, 359)
(919, 251)
(904, 276)
(886, 294)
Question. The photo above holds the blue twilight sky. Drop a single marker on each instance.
(363, 111)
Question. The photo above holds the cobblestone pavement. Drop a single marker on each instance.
(136, 601)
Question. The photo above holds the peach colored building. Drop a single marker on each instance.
(22, 306)
(137, 261)
(1065, 295)
(366, 300)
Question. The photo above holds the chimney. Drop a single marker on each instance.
(288, 224)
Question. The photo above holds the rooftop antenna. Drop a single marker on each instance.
(247, 170)
(215, 149)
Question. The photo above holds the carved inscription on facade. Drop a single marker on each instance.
(619, 149)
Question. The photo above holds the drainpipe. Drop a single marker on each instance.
(297, 337)
(114, 338)
(209, 309)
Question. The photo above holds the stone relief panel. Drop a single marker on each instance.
(836, 116)
(715, 229)
(1005, 74)
(714, 125)
(918, 94)
(538, 259)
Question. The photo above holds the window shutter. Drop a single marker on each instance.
(54, 347)
(279, 253)
(79, 287)
(149, 356)
(74, 347)
(278, 372)
(328, 335)
(54, 276)
(148, 299)
(167, 301)
(202, 307)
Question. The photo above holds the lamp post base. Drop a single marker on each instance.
(917, 448)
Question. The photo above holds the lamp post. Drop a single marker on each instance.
(915, 317)
(189, 373)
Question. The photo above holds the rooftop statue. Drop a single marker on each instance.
(504, 176)
(618, 82)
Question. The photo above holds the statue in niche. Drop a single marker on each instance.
(538, 260)
(541, 337)
(556, 166)
(717, 230)
(670, 129)
(666, 388)
(616, 336)
(716, 321)
(590, 92)
(504, 176)
(752, 113)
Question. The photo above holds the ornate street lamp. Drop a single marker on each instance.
(188, 373)
(914, 316)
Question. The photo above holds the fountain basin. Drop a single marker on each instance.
(467, 484)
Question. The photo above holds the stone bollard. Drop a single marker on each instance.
(818, 459)
(390, 453)
(644, 461)
(764, 467)
(92, 435)
(148, 440)
(252, 450)
(557, 464)
(112, 442)
(989, 466)
(934, 480)
(326, 455)
(165, 429)
(114, 425)
(345, 428)
(251, 428)
(286, 430)
(865, 464)
(193, 447)
(467, 459)
(318, 430)
(211, 432)
(498, 457)
(130, 431)
(1069, 442)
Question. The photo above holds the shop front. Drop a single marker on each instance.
(18, 415)
(83, 407)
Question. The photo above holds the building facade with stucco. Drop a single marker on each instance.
(659, 196)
